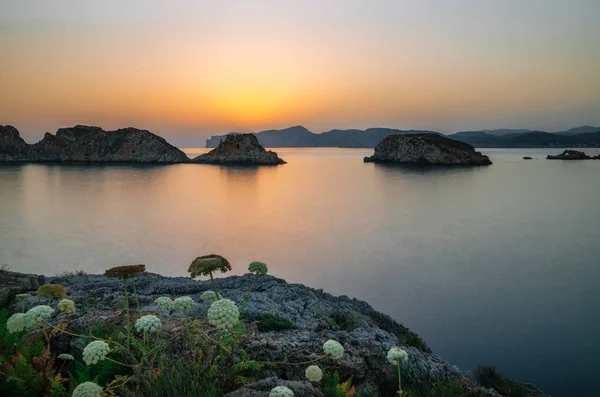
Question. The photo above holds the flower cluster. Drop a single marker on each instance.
(148, 323)
(258, 268)
(67, 306)
(210, 296)
(16, 323)
(223, 314)
(396, 356)
(37, 314)
(124, 271)
(51, 291)
(335, 349)
(65, 356)
(164, 303)
(22, 297)
(87, 389)
(313, 373)
(205, 265)
(95, 351)
(281, 391)
(184, 303)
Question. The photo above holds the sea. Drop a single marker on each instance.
(494, 265)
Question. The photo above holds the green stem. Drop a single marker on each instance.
(82, 336)
(127, 310)
(399, 381)
(23, 306)
(288, 363)
(214, 286)
(137, 302)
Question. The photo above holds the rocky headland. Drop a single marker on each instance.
(243, 149)
(313, 316)
(90, 144)
(426, 149)
(572, 155)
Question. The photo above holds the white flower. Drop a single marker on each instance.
(281, 391)
(164, 303)
(22, 297)
(334, 348)
(148, 323)
(223, 314)
(37, 314)
(95, 351)
(209, 296)
(184, 303)
(16, 323)
(258, 267)
(67, 306)
(87, 389)
(313, 373)
(65, 356)
(396, 356)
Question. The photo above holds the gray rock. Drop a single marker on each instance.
(426, 149)
(90, 144)
(241, 149)
(264, 386)
(12, 283)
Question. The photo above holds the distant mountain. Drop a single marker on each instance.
(299, 136)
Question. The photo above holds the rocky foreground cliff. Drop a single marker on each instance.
(426, 149)
(90, 144)
(314, 316)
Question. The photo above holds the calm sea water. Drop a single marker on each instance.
(491, 265)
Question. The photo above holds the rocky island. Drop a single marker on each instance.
(572, 155)
(90, 144)
(243, 149)
(426, 149)
(280, 333)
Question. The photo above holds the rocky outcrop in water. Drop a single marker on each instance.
(366, 338)
(90, 144)
(239, 149)
(426, 149)
(572, 155)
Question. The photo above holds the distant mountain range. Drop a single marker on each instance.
(299, 136)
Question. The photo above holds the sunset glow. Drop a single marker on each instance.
(208, 67)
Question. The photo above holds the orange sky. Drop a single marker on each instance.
(193, 69)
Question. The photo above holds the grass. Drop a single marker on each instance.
(271, 322)
(344, 319)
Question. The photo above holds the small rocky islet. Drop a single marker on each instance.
(284, 328)
(426, 149)
(572, 155)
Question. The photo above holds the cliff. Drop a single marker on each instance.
(90, 144)
(426, 149)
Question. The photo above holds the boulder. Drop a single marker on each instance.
(570, 155)
(426, 149)
(90, 144)
(527, 158)
(12, 283)
(241, 149)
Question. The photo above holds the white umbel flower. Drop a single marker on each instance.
(223, 314)
(184, 303)
(313, 373)
(87, 389)
(65, 356)
(67, 306)
(95, 351)
(258, 268)
(164, 303)
(396, 356)
(16, 323)
(281, 391)
(37, 314)
(209, 296)
(335, 349)
(148, 323)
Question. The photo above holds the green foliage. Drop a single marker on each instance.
(271, 322)
(333, 387)
(450, 389)
(489, 377)
(414, 340)
(344, 319)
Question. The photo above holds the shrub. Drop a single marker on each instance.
(51, 291)
(270, 322)
(258, 268)
(414, 340)
(344, 320)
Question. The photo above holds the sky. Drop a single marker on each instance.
(192, 68)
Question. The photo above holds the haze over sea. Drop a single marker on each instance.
(491, 265)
